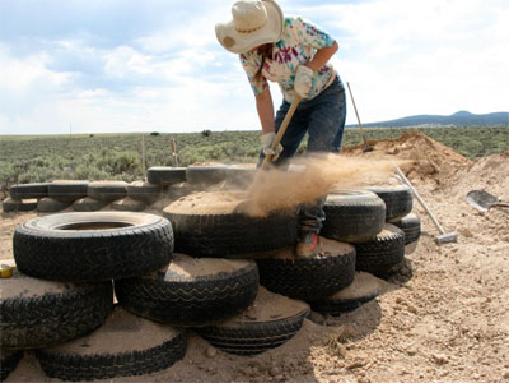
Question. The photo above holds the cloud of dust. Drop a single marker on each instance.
(310, 178)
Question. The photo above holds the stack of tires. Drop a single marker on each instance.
(354, 240)
(213, 287)
(81, 196)
(25, 197)
(399, 203)
(59, 300)
(85, 196)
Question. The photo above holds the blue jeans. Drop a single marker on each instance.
(323, 118)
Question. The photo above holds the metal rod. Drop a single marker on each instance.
(357, 114)
(143, 158)
(354, 104)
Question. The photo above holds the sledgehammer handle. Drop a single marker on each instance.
(282, 130)
(417, 195)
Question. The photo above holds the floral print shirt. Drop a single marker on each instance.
(298, 45)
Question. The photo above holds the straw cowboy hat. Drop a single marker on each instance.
(255, 22)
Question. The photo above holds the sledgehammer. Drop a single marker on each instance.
(267, 161)
(443, 237)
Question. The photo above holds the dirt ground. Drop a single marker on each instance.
(445, 317)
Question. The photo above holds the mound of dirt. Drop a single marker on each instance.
(431, 160)
(489, 173)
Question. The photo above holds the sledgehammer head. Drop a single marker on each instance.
(446, 238)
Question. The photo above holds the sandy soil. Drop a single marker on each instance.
(445, 317)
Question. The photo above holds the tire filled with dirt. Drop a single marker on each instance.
(25, 205)
(398, 199)
(67, 190)
(107, 190)
(167, 175)
(191, 292)
(309, 278)
(49, 205)
(270, 322)
(363, 289)
(141, 191)
(8, 362)
(87, 204)
(381, 255)
(206, 174)
(353, 215)
(128, 204)
(36, 313)
(92, 246)
(28, 191)
(126, 345)
(207, 224)
(411, 225)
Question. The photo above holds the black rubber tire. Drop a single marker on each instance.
(206, 174)
(28, 191)
(181, 300)
(398, 199)
(411, 225)
(88, 204)
(148, 193)
(308, 278)
(363, 289)
(58, 315)
(107, 191)
(353, 216)
(144, 245)
(49, 205)
(382, 254)
(68, 190)
(231, 234)
(252, 338)
(167, 175)
(8, 362)
(25, 205)
(73, 365)
(128, 205)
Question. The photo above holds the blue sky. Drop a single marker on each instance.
(126, 65)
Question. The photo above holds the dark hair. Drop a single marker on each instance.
(265, 51)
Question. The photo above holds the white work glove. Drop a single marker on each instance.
(303, 80)
(266, 145)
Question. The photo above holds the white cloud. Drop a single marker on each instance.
(408, 57)
(401, 57)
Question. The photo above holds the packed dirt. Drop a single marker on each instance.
(269, 306)
(188, 267)
(443, 318)
(208, 202)
(120, 332)
(326, 247)
(364, 285)
(22, 286)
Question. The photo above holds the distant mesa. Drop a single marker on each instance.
(458, 119)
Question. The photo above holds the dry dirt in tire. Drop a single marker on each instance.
(445, 317)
